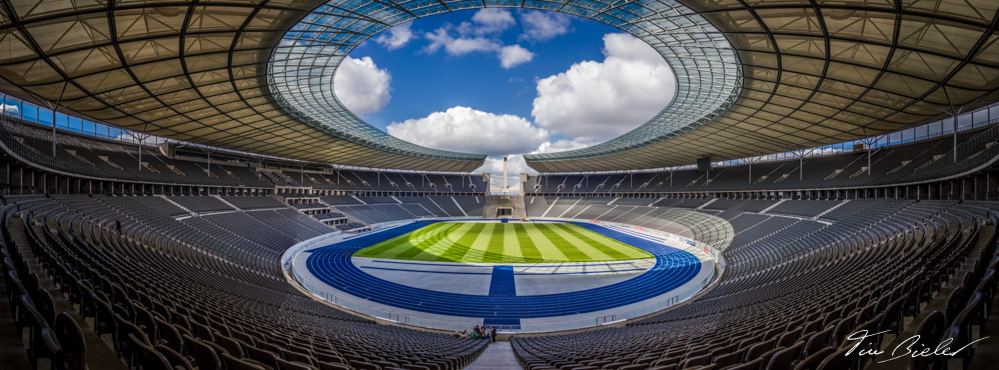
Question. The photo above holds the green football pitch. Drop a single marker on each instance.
(503, 243)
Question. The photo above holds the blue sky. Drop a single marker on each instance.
(425, 82)
(504, 82)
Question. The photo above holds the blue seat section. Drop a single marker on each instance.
(332, 266)
(503, 284)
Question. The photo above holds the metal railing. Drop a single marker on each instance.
(11, 189)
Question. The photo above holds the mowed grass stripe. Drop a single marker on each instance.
(496, 241)
(511, 243)
(393, 247)
(503, 246)
(460, 247)
(503, 243)
(477, 250)
(424, 241)
(434, 252)
(549, 251)
(610, 248)
(565, 246)
(528, 250)
(584, 247)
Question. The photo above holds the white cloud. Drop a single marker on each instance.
(479, 36)
(441, 37)
(565, 144)
(543, 25)
(361, 86)
(514, 55)
(492, 21)
(396, 37)
(468, 130)
(10, 109)
(603, 100)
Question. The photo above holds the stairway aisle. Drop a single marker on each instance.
(499, 356)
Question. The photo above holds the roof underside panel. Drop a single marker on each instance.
(195, 72)
(826, 73)
(754, 77)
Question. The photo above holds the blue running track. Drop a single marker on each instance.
(331, 265)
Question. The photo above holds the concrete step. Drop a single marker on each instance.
(498, 356)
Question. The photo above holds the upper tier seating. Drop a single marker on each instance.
(888, 165)
(115, 160)
(254, 202)
(805, 208)
(202, 204)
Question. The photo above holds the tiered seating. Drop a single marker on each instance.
(198, 311)
(255, 202)
(161, 205)
(473, 205)
(536, 205)
(381, 209)
(306, 220)
(243, 224)
(789, 299)
(804, 208)
(430, 205)
(114, 160)
(377, 200)
(336, 200)
(285, 224)
(202, 204)
(562, 205)
(888, 165)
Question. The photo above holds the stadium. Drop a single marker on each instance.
(186, 185)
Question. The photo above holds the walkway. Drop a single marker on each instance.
(498, 356)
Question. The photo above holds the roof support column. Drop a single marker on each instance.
(54, 110)
(208, 150)
(954, 118)
(139, 138)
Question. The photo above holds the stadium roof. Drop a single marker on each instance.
(754, 77)
(822, 72)
(193, 71)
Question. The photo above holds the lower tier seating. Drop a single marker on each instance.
(169, 295)
(791, 296)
